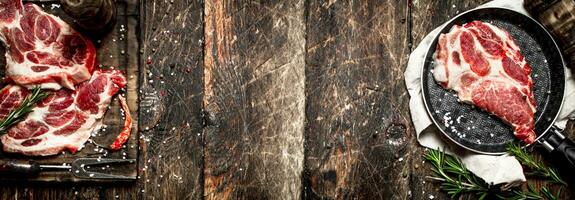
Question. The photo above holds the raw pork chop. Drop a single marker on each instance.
(66, 118)
(11, 97)
(42, 49)
(484, 65)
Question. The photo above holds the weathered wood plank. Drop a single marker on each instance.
(254, 99)
(170, 104)
(358, 127)
(557, 17)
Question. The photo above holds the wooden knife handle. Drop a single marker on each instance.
(13, 168)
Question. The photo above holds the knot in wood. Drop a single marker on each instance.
(396, 130)
(209, 118)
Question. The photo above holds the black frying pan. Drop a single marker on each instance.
(476, 130)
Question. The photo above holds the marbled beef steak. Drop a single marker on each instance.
(484, 65)
(11, 97)
(42, 50)
(65, 119)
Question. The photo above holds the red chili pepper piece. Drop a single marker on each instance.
(125, 133)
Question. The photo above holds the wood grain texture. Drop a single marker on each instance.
(271, 100)
(558, 17)
(170, 108)
(358, 128)
(254, 99)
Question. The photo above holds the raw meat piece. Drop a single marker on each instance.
(11, 97)
(66, 118)
(42, 50)
(484, 65)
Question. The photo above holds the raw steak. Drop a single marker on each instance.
(484, 65)
(42, 49)
(66, 118)
(11, 97)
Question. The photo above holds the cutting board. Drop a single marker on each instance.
(118, 48)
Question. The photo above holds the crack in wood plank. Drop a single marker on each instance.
(349, 50)
(254, 146)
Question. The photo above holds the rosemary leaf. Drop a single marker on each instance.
(106, 67)
(27, 105)
(537, 167)
(549, 195)
(457, 180)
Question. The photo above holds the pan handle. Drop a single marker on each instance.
(559, 145)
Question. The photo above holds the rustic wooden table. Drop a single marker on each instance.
(273, 100)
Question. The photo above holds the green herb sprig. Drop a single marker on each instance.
(537, 167)
(457, 180)
(532, 193)
(27, 105)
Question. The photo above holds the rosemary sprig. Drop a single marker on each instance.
(532, 193)
(457, 180)
(455, 177)
(537, 167)
(106, 67)
(548, 195)
(27, 105)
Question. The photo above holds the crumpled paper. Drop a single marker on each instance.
(503, 169)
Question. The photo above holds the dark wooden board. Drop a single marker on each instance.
(171, 158)
(254, 99)
(170, 155)
(358, 132)
(170, 122)
(118, 49)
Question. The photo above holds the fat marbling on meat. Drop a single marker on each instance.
(65, 119)
(484, 66)
(42, 50)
